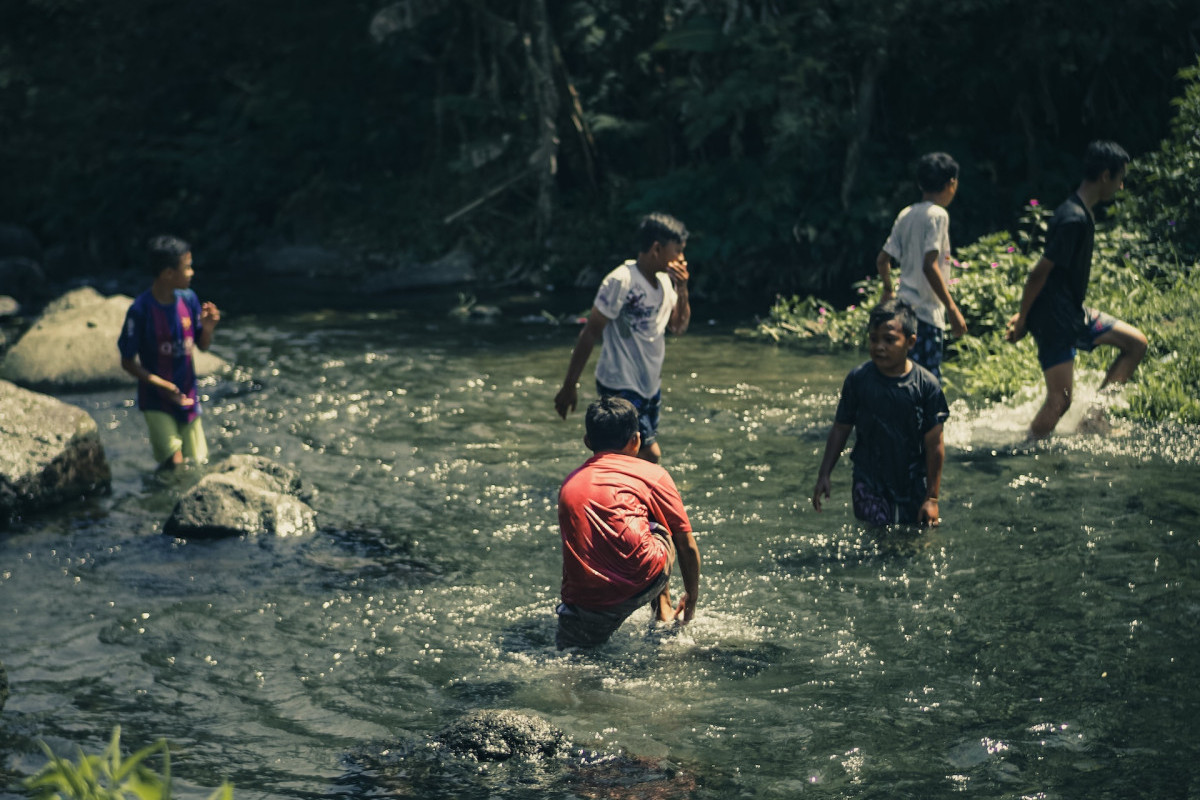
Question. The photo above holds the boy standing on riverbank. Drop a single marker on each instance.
(896, 408)
(161, 328)
(1052, 301)
(920, 242)
(622, 523)
(643, 299)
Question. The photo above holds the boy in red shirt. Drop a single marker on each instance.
(622, 523)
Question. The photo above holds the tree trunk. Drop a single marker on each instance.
(539, 50)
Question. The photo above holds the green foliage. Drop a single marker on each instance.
(1165, 197)
(109, 776)
(783, 133)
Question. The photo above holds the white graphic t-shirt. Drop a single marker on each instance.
(918, 229)
(631, 356)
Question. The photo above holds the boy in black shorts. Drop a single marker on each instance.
(896, 408)
(1052, 303)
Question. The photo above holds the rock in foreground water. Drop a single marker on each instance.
(492, 735)
(73, 346)
(50, 453)
(244, 495)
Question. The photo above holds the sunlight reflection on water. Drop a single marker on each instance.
(1025, 646)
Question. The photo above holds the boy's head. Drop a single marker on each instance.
(894, 310)
(661, 228)
(935, 171)
(1102, 156)
(165, 252)
(611, 424)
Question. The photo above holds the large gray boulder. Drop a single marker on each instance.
(50, 452)
(244, 495)
(498, 735)
(73, 346)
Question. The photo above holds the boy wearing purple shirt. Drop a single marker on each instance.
(162, 327)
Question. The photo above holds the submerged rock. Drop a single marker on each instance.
(493, 735)
(73, 346)
(50, 452)
(244, 495)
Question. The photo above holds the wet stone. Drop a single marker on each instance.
(493, 735)
(50, 453)
(244, 495)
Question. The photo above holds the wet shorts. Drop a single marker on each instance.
(592, 627)
(168, 436)
(1052, 352)
(928, 350)
(874, 509)
(647, 409)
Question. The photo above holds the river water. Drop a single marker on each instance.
(1042, 643)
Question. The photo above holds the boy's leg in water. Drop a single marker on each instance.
(1060, 381)
(1132, 343)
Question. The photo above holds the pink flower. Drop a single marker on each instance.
(1033, 203)
(954, 261)
(862, 290)
(953, 281)
(849, 308)
(821, 310)
(1011, 249)
(995, 264)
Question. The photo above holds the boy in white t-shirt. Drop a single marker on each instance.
(642, 299)
(920, 242)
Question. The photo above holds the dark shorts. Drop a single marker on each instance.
(1053, 351)
(875, 509)
(592, 627)
(647, 409)
(928, 350)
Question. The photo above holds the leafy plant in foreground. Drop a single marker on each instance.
(109, 776)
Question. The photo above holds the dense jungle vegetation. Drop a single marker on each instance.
(533, 132)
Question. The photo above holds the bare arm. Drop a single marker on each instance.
(883, 265)
(688, 555)
(210, 315)
(1033, 287)
(935, 457)
(593, 329)
(940, 290)
(143, 375)
(838, 436)
(681, 315)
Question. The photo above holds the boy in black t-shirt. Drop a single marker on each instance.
(896, 408)
(1052, 302)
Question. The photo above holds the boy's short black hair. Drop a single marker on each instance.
(1103, 155)
(658, 227)
(610, 423)
(935, 170)
(894, 310)
(164, 252)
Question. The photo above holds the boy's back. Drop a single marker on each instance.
(918, 229)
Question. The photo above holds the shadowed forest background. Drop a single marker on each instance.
(532, 132)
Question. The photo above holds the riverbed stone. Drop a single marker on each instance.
(396, 274)
(73, 346)
(244, 495)
(50, 452)
(498, 735)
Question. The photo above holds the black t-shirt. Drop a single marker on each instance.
(891, 417)
(1057, 313)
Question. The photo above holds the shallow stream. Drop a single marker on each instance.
(1042, 643)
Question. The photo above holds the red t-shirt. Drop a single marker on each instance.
(604, 513)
